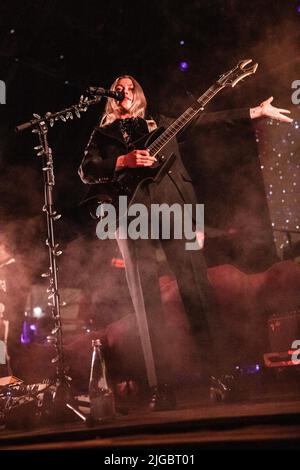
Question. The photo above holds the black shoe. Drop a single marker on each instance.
(163, 398)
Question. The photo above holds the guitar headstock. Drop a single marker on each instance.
(238, 73)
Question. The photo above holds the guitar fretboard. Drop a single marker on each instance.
(180, 122)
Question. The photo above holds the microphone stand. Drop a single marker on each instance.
(62, 397)
(64, 115)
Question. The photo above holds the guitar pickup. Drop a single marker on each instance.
(165, 167)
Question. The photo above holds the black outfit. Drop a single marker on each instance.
(98, 165)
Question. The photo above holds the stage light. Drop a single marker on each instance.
(37, 312)
(183, 66)
(298, 8)
(181, 42)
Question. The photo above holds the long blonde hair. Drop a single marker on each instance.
(138, 108)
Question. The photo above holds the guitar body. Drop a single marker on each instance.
(128, 182)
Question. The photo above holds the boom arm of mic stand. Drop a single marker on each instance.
(63, 115)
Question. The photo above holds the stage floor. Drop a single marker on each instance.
(266, 424)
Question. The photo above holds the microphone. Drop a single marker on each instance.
(117, 95)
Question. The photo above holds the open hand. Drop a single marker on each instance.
(266, 109)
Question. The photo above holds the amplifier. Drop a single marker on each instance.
(284, 329)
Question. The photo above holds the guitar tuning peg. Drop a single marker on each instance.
(62, 117)
(34, 131)
(51, 122)
(37, 116)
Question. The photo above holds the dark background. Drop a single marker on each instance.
(51, 51)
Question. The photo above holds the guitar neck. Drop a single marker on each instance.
(184, 119)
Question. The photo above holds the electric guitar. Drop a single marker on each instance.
(128, 182)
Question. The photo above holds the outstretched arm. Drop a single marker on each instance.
(235, 116)
(266, 109)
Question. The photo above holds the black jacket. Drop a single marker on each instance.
(106, 145)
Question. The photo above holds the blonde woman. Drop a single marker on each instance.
(112, 152)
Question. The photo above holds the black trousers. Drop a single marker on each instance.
(190, 270)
